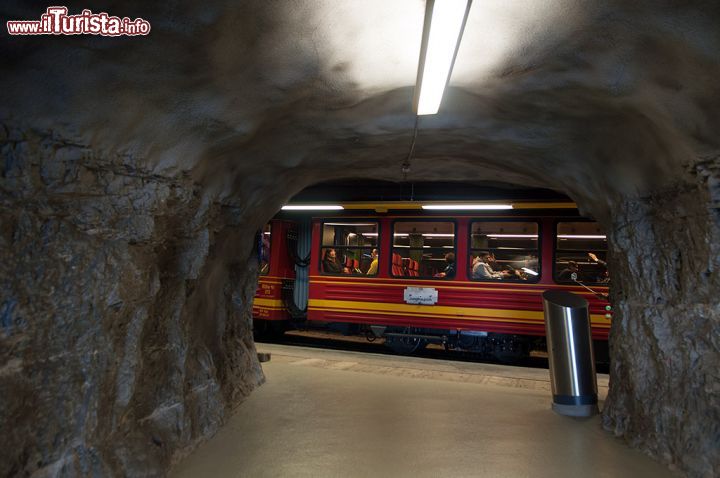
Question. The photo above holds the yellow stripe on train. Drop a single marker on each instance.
(439, 311)
(274, 303)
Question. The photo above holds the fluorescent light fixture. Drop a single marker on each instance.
(444, 24)
(514, 236)
(267, 233)
(349, 224)
(466, 207)
(581, 236)
(404, 234)
(530, 271)
(424, 247)
(312, 207)
(374, 234)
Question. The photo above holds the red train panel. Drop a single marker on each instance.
(268, 302)
(502, 308)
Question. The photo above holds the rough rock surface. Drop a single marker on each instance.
(124, 335)
(665, 382)
(135, 172)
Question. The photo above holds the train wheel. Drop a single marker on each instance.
(510, 348)
(407, 345)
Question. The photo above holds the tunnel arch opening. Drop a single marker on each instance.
(532, 246)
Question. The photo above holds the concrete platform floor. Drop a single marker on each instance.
(333, 413)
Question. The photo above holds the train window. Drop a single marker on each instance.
(423, 249)
(265, 250)
(349, 248)
(581, 248)
(504, 251)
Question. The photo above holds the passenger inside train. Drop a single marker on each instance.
(581, 249)
(504, 251)
(604, 275)
(372, 270)
(331, 263)
(482, 269)
(353, 246)
(449, 270)
(566, 274)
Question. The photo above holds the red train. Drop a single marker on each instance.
(468, 280)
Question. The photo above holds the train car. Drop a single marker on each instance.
(467, 280)
(276, 276)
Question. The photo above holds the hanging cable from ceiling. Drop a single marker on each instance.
(405, 168)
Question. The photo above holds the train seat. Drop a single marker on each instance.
(397, 265)
(413, 268)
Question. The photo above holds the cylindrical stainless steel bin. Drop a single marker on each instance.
(570, 353)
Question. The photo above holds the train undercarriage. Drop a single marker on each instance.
(504, 348)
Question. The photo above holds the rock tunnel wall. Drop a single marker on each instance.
(124, 314)
(665, 341)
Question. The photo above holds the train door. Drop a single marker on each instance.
(276, 276)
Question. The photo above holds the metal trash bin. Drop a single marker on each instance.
(570, 353)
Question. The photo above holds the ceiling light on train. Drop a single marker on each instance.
(513, 236)
(374, 234)
(581, 236)
(312, 207)
(444, 24)
(351, 224)
(529, 271)
(466, 207)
